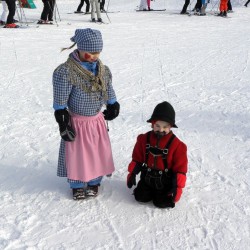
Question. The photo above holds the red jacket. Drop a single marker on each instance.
(176, 158)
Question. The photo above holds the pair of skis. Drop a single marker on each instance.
(102, 22)
(152, 10)
(88, 13)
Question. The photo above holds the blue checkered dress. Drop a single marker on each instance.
(78, 102)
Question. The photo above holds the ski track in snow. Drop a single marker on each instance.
(153, 57)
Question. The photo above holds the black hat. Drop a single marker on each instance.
(164, 112)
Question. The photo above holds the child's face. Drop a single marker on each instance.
(88, 57)
(161, 127)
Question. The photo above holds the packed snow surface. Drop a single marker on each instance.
(201, 65)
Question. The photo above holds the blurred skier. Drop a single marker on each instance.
(184, 8)
(247, 3)
(4, 13)
(102, 3)
(203, 7)
(47, 13)
(144, 5)
(95, 8)
(197, 7)
(10, 23)
(229, 7)
(223, 8)
(79, 8)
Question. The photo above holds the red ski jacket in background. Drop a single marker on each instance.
(223, 5)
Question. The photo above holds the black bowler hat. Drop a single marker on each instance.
(164, 111)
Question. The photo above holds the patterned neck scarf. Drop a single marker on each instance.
(85, 79)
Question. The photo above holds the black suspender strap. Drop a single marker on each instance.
(165, 152)
(147, 147)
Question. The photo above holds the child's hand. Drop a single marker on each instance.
(134, 168)
(63, 119)
(131, 180)
(112, 111)
(68, 134)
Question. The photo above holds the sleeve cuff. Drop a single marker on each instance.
(111, 101)
(57, 106)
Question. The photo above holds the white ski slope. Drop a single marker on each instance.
(199, 64)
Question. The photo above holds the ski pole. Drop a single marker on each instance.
(22, 13)
(107, 11)
(58, 12)
(107, 6)
(107, 16)
(54, 12)
(214, 5)
(18, 14)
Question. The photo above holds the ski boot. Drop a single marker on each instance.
(184, 12)
(220, 14)
(11, 26)
(197, 12)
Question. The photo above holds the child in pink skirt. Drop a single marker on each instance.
(81, 86)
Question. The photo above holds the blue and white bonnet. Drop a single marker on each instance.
(88, 40)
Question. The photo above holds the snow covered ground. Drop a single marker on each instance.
(199, 64)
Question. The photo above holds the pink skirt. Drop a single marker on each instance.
(90, 155)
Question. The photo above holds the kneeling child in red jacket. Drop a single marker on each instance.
(161, 158)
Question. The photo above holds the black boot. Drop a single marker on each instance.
(92, 191)
(184, 12)
(224, 14)
(78, 194)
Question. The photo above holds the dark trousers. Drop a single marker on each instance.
(185, 6)
(247, 2)
(12, 10)
(145, 193)
(198, 5)
(102, 3)
(229, 5)
(81, 4)
(48, 8)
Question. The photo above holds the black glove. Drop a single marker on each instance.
(112, 111)
(131, 180)
(63, 119)
(173, 181)
(134, 169)
(170, 201)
